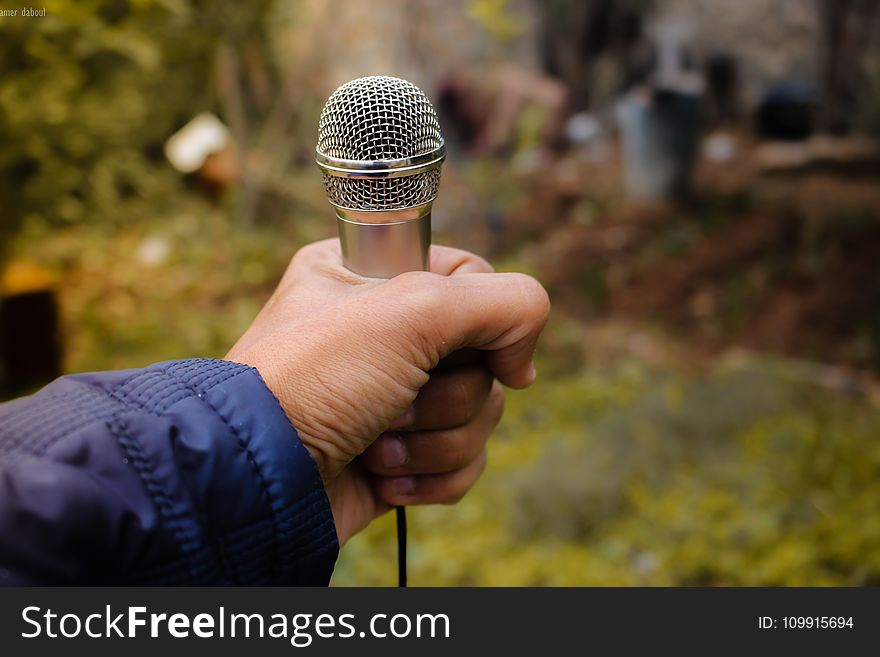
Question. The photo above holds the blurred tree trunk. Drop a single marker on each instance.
(564, 32)
(846, 29)
(572, 34)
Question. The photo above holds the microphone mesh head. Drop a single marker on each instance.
(379, 118)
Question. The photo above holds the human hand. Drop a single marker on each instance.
(391, 383)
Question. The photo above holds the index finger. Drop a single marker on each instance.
(501, 314)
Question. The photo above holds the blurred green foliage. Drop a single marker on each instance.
(183, 284)
(750, 475)
(496, 17)
(91, 92)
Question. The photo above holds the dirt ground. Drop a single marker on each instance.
(781, 261)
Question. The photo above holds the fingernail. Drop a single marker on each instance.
(394, 452)
(404, 486)
(532, 373)
(404, 420)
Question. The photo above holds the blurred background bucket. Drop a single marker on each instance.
(659, 138)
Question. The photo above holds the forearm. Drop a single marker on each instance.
(185, 472)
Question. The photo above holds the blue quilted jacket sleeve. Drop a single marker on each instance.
(184, 472)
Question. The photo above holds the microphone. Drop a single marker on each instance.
(380, 151)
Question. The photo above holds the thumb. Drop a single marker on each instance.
(502, 314)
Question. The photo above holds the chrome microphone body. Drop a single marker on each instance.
(380, 152)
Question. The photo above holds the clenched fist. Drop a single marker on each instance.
(392, 385)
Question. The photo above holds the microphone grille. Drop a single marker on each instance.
(379, 118)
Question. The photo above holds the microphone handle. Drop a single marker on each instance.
(383, 244)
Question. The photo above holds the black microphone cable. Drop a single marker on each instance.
(401, 547)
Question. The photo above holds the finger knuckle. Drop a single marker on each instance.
(481, 264)
(535, 297)
(420, 291)
(458, 454)
(454, 496)
(459, 489)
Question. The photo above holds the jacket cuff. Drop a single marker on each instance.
(257, 492)
(300, 521)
